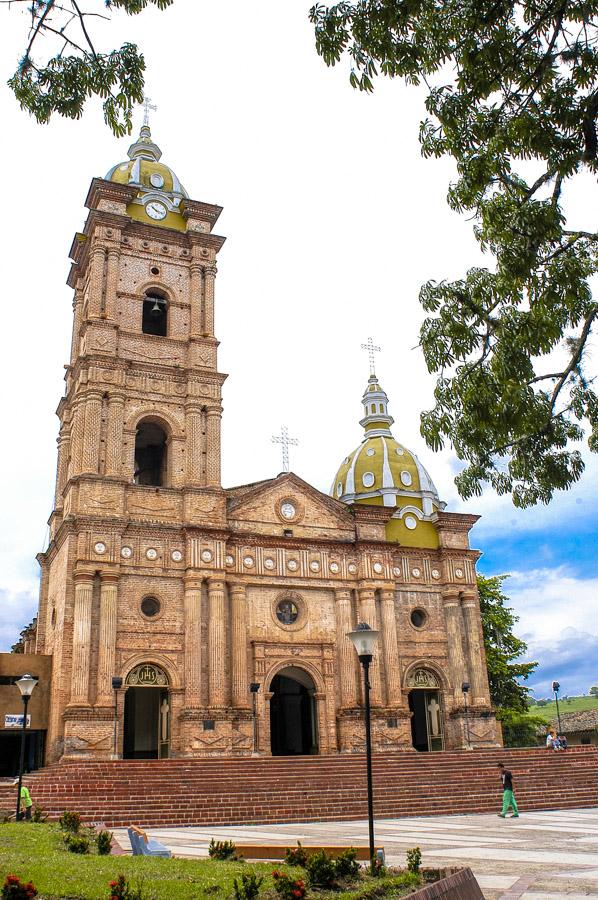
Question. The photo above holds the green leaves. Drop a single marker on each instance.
(77, 71)
(513, 99)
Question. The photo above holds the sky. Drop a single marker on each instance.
(333, 222)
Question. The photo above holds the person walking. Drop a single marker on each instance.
(508, 797)
(26, 804)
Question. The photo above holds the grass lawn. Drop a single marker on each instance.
(575, 704)
(36, 853)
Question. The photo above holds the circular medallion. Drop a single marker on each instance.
(248, 561)
(399, 451)
(100, 547)
(314, 565)
(396, 571)
(370, 451)
(368, 479)
(352, 568)
(151, 553)
(176, 555)
(406, 478)
(126, 552)
(459, 573)
(377, 567)
(334, 567)
(269, 563)
(207, 555)
(230, 560)
(435, 573)
(293, 565)
(156, 180)
(287, 510)
(410, 522)
(416, 572)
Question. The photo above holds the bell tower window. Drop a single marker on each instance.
(150, 454)
(155, 314)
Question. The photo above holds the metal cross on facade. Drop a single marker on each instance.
(284, 439)
(371, 350)
(147, 105)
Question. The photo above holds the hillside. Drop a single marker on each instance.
(572, 704)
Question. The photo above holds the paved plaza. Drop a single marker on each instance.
(540, 856)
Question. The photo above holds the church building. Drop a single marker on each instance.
(184, 619)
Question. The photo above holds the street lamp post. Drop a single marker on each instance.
(364, 640)
(25, 684)
(117, 683)
(555, 689)
(465, 689)
(254, 687)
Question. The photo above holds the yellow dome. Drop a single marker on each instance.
(159, 187)
(383, 472)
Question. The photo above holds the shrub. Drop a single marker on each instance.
(14, 889)
(248, 888)
(70, 821)
(295, 856)
(77, 843)
(287, 887)
(122, 890)
(321, 870)
(104, 843)
(38, 814)
(414, 859)
(346, 864)
(221, 849)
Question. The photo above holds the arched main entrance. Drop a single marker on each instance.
(427, 729)
(293, 714)
(147, 714)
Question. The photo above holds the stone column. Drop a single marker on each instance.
(477, 666)
(64, 443)
(216, 643)
(196, 300)
(391, 647)
(238, 616)
(107, 640)
(112, 282)
(213, 446)
(452, 614)
(194, 446)
(367, 613)
(81, 639)
(345, 649)
(192, 612)
(114, 434)
(210, 277)
(91, 437)
(96, 282)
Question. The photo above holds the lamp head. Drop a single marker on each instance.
(254, 687)
(25, 684)
(465, 687)
(117, 683)
(555, 687)
(363, 639)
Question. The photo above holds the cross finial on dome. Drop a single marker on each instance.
(284, 439)
(147, 105)
(371, 350)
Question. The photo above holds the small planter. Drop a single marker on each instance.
(457, 884)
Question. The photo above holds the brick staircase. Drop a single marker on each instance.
(294, 789)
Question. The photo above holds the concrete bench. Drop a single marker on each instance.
(141, 845)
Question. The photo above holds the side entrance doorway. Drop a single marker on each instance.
(293, 714)
(427, 731)
(146, 732)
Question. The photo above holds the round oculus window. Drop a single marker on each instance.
(287, 510)
(287, 612)
(406, 478)
(150, 607)
(410, 522)
(418, 618)
(368, 479)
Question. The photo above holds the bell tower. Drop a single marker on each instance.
(139, 442)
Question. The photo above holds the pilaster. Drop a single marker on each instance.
(390, 647)
(192, 615)
(452, 615)
(107, 638)
(345, 651)
(216, 643)
(239, 678)
(368, 614)
(81, 639)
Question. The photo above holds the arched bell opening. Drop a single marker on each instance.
(154, 319)
(293, 713)
(151, 454)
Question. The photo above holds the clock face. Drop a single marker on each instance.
(156, 210)
(287, 510)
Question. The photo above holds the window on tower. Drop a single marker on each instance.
(150, 454)
(155, 314)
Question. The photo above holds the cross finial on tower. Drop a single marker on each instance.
(147, 105)
(284, 439)
(371, 350)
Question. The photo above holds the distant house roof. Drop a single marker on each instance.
(586, 720)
